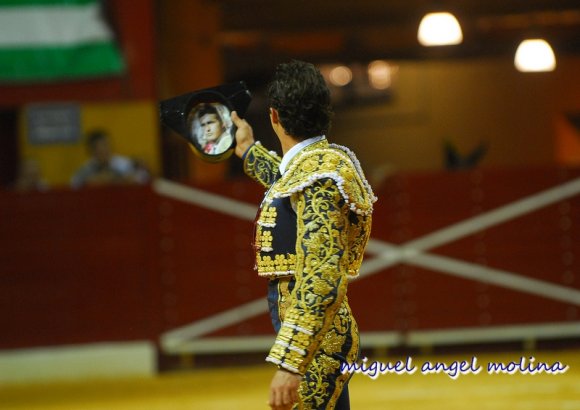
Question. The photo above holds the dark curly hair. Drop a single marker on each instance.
(300, 95)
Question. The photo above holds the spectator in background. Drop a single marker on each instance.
(104, 167)
(30, 177)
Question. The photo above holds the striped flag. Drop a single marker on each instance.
(55, 40)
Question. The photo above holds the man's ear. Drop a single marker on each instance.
(274, 117)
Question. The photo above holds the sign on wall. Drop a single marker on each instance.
(53, 123)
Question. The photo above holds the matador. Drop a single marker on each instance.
(310, 235)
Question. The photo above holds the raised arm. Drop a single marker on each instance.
(259, 164)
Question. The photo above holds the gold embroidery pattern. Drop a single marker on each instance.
(321, 267)
(266, 241)
(261, 164)
(268, 216)
(319, 161)
(311, 165)
(332, 342)
(276, 265)
(323, 381)
(265, 263)
(284, 263)
(358, 236)
(333, 205)
(283, 298)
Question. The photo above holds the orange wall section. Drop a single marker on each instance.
(467, 102)
(190, 59)
(566, 100)
(567, 142)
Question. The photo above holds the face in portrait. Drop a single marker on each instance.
(211, 128)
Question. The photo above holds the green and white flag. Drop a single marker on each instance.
(55, 40)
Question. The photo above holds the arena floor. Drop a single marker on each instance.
(246, 388)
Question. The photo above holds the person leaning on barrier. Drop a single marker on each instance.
(104, 167)
(311, 231)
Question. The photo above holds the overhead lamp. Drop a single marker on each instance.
(439, 29)
(380, 74)
(340, 76)
(535, 55)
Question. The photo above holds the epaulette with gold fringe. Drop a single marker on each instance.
(335, 162)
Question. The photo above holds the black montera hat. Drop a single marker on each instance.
(181, 114)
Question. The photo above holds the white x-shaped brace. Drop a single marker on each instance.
(385, 254)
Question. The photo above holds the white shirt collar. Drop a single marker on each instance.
(292, 152)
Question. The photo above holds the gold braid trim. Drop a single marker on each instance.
(261, 165)
(322, 260)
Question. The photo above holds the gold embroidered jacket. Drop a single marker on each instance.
(332, 204)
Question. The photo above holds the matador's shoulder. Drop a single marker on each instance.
(323, 161)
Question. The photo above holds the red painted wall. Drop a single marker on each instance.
(124, 263)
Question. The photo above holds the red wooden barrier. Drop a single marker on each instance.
(125, 263)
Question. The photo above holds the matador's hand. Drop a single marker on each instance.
(244, 134)
(284, 390)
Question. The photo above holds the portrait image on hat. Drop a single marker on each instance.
(211, 128)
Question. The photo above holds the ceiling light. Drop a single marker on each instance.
(439, 29)
(535, 55)
(380, 74)
(340, 76)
